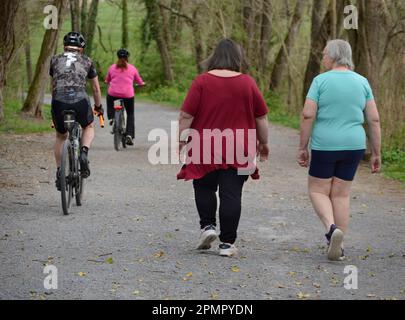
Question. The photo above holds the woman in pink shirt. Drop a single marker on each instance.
(120, 78)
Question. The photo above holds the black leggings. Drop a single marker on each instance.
(230, 194)
(129, 107)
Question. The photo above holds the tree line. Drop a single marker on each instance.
(282, 40)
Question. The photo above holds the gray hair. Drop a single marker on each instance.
(340, 51)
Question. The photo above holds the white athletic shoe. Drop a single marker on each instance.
(335, 251)
(208, 236)
(227, 250)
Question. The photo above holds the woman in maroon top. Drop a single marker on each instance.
(223, 126)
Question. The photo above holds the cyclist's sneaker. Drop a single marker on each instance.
(208, 235)
(84, 165)
(57, 181)
(129, 141)
(335, 241)
(227, 250)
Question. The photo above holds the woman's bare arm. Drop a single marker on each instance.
(185, 121)
(373, 120)
(262, 132)
(308, 116)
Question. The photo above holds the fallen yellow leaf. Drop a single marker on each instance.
(235, 269)
(190, 274)
(159, 254)
(214, 295)
(81, 274)
(302, 295)
(135, 292)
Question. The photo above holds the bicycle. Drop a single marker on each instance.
(71, 180)
(119, 126)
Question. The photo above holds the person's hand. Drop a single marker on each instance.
(99, 109)
(182, 144)
(263, 151)
(303, 158)
(375, 163)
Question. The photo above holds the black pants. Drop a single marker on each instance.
(230, 195)
(129, 107)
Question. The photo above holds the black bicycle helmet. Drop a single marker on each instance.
(74, 39)
(122, 53)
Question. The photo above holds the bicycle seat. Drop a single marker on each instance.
(69, 118)
(69, 112)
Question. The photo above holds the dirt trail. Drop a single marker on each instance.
(135, 235)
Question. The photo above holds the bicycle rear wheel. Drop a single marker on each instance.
(123, 129)
(66, 177)
(79, 187)
(117, 130)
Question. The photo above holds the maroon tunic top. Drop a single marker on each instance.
(230, 104)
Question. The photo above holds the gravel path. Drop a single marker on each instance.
(135, 235)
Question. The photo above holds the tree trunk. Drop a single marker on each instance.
(28, 62)
(124, 24)
(175, 21)
(91, 26)
(8, 47)
(33, 102)
(370, 40)
(248, 13)
(319, 36)
(287, 45)
(83, 19)
(27, 45)
(75, 15)
(165, 28)
(265, 36)
(198, 44)
(156, 29)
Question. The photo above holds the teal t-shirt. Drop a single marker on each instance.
(341, 97)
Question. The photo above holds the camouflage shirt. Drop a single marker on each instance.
(70, 71)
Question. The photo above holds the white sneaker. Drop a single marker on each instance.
(335, 251)
(227, 250)
(208, 236)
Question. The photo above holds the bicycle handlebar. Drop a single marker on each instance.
(100, 118)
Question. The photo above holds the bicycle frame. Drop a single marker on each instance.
(71, 180)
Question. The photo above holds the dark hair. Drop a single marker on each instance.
(122, 63)
(227, 55)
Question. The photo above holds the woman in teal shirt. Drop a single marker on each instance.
(336, 107)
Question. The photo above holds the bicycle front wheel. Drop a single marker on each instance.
(66, 177)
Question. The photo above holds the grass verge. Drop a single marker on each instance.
(15, 122)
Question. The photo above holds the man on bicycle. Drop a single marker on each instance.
(70, 71)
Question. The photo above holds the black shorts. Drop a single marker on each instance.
(339, 164)
(83, 109)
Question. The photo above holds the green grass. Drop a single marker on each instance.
(394, 164)
(278, 113)
(14, 122)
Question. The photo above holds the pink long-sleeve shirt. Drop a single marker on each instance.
(121, 81)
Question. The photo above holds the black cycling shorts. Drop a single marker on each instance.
(339, 164)
(83, 109)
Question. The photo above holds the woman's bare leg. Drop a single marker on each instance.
(340, 196)
(319, 193)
